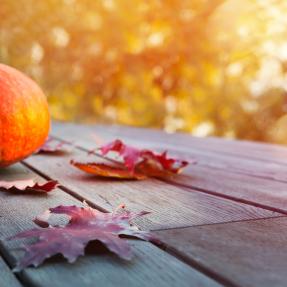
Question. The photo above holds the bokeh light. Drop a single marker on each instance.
(214, 67)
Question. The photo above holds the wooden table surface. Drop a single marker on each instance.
(222, 222)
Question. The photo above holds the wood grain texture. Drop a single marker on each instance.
(249, 254)
(7, 278)
(170, 206)
(204, 156)
(251, 150)
(264, 192)
(102, 269)
(243, 179)
(244, 149)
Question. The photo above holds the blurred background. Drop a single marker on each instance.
(207, 67)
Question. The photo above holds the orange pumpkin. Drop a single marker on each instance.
(24, 116)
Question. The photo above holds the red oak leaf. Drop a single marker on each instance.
(85, 224)
(135, 164)
(52, 146)
(28, 185)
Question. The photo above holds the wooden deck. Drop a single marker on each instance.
(221, 223)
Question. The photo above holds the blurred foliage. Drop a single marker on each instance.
(209, 67)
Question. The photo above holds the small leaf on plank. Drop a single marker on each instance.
(108, 170)
(52, 146)
(28, 185)
(85, 224)
(132, 163)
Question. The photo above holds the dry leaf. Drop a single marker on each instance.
(52, 146)
(105, 170)
(85, 224)
(28, 185)
(133, 163)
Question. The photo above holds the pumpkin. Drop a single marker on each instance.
(24, 116)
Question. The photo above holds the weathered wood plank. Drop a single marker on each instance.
(184, 149)
(212, 174)
(243, 149)
(7, 278)
(252, 150)
(262, 192)
(249, 254)
(170, 206)
(150, 267)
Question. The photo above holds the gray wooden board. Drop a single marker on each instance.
(7, 278)
(264, 192)
(150, 266)
(211, 159)
(244, 149)
(169, 205)
(183, 149)
(267, 192)
(250, 253)
(252, 150)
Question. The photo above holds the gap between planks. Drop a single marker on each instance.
(6, 275)
(219, 223)
(20, 278)
(248, 253)
(66, 190)
(229, 197)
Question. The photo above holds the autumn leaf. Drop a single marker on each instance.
(130, 155)
(133, 157)
(85, 224)
(52, 146)
(132, 163)
(28, 185)
(104, 170)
